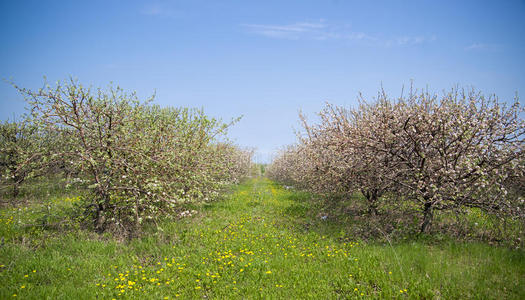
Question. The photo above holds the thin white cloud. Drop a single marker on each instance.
(324, 31)
(483, 46)
(158, 10)
(412, 40)
(304, 30)
(292, 31)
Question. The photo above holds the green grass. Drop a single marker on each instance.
(261, 242)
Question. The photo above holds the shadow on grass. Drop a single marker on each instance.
(397, 221)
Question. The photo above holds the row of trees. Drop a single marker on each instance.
(441, 153)
(139, 160)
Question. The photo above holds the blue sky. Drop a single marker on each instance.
(264, 60)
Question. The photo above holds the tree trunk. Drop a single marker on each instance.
(137, 218)
(100, 219)
(17, 181)
(372, 208)
(371, 198)
(428, 215)
(16, 189)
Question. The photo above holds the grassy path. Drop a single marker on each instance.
(262, 242)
